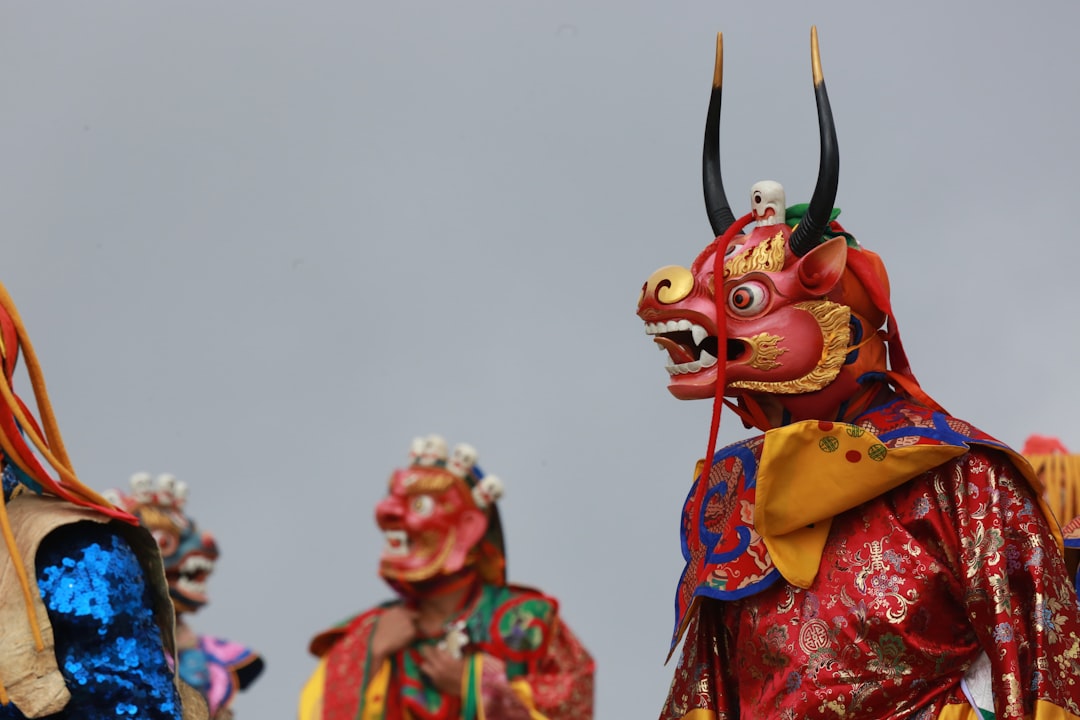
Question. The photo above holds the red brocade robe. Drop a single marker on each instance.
(862, 571)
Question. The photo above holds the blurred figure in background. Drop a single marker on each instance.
(1060, 473)
(216, 668)
(458, 642)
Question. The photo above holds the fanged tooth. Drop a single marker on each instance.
(693, 367)
(684, 325)
(706, 359)
(699, 333)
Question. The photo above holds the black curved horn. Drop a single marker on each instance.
(712, 181)
(808, 235)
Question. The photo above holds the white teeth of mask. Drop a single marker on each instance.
(397, 542)
(697, 332)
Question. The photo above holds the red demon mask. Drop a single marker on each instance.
(439, 517)
(790, 318)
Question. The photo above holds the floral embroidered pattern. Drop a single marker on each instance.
(913, 586)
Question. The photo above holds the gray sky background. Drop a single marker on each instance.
(262, 245)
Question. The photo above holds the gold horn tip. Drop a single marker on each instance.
(718, 67)
(815, 57)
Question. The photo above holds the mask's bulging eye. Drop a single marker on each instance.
(732, 249)
(748, 299)
(423, 505)
(167, 542)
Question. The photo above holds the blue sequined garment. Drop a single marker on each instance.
(108, 645)
(9, 480)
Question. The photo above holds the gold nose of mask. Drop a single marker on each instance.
(668, 285)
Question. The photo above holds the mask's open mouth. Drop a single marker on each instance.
(397, 543)
(419, 558)
(690, 347)
(192, 574)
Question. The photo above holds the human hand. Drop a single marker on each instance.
(443, 669)
(394, 631)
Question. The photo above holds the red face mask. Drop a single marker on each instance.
(431, 524)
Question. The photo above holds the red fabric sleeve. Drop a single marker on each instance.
(1017, 592)
(701, 679)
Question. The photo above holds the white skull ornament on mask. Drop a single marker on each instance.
(767, 203)
(462, 460)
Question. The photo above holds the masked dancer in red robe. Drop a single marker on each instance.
(869, 555)
(459, 643)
